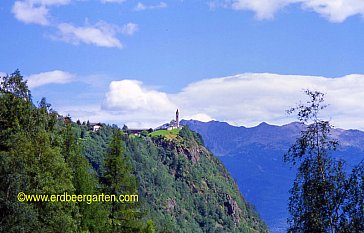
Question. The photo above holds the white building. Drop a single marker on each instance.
(174, 124)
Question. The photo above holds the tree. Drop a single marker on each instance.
(352, 219)
(125, 129)
(323, 197)
(144, 133)
(118, 179)
(41, 155)
(92, 217)
(317, 194)
(15, 85)
(30, 162)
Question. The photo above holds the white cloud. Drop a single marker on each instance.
(200, 117)
(101, 34)
(336, 10)
(246, 99)
(141, 7)
(56, 76)
(28, 13)
(132, 96)
(129, 29)
(264, 9)
(35, 11)
(133, 119)
(333, 10)
(127, 102)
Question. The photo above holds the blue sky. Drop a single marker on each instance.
(135, 61)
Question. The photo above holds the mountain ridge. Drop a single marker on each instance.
(254, 157)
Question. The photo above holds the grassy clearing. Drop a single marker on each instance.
(132, 136)
(168, 134)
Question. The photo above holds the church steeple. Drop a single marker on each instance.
(177, 118)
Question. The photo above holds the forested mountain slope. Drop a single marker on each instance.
(182, 187)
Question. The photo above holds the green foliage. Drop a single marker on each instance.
(92, 217)
(31, 162)
(352, 218)
(182, 187)
(164, 133)
(40, 155)
(95, 145)
(118, 179)
(323, 199)
(189, 135)
(15, 85)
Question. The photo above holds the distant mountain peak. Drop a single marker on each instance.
(263, 124)
(254, 156)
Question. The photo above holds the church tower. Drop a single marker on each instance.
(177, 118)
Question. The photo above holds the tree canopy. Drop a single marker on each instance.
(324, 198)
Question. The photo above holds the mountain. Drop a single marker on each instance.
(254, 157)
(44, 156)
(183, 187)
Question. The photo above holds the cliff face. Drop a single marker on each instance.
(184, 188)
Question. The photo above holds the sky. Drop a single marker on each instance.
(136, 62)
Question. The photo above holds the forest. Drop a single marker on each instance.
(182, 187)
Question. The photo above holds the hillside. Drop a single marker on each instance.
(254, 157)
(182, 186)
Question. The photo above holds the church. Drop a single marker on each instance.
(174, 124)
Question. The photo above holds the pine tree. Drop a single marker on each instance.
(92, 216)
(118, 179)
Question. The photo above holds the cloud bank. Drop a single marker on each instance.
(333, 10)
(245, 99)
